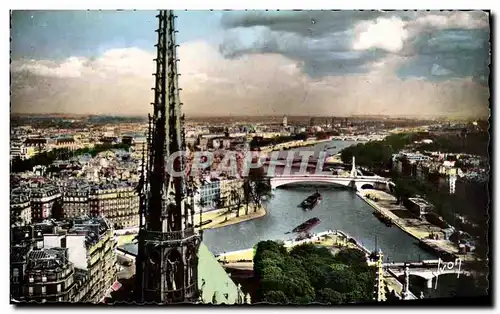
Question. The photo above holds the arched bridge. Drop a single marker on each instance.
(356, 182)
(427, 270)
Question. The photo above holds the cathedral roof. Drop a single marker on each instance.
(214, 283)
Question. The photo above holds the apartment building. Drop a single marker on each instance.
(64, 142)
(18, 149)
(46, 275)
(20, 210)
(209, 195)
(43, 199)
(118, 202)
(36, 145)
(18, 262)
(76, 201)
(91, 248)
(30, 236)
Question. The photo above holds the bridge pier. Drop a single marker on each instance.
(429, 283)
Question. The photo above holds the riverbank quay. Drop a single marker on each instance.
(419, 229)
(293, 144)
(334, 240)
(221, 218)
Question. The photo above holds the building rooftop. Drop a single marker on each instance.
(18, 199)
(18, 254)
(214, 283)
(420, 201)
(93, 228)
(47, 258)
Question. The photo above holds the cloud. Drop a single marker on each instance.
(302, 23)
(465, 53)
(346, 42)
(383, 33)
(70, 68)
(119, 82)
(453, 20)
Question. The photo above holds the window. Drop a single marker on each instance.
(15, 275)
(31, 279)
(44, 279)
(30, 290)
(58, 287)
(44, 289)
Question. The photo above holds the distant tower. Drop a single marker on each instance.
(311, 122)
(379, 292)
(167, 262)
(285, 121)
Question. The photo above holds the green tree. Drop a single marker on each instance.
(299, 291)
(237, 201)
(260, 186)
(247, 194)
(329, 296)
(275, 297)
(351, 257)
(343, 281)
(308, 273)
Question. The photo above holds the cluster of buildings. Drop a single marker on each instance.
(27, 141)
(103, 186)
(216, 193)
(421, 165)
(448, 169)
(74, 261)
(39, 199)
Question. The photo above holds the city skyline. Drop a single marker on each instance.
(268, 63)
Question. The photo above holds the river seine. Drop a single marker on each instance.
(340, 209)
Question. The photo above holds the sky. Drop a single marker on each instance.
(336, 63)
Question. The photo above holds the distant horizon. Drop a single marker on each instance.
(278, 116)
(256, 63)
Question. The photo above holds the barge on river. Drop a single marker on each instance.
(306, 226)
(311, 201)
